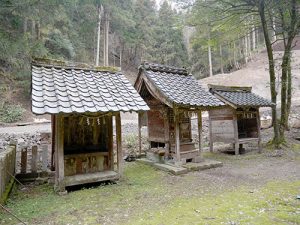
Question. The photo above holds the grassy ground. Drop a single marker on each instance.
(248, 189)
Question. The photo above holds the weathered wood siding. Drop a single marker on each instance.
(222, 125)
(7, 170)
(156, 126)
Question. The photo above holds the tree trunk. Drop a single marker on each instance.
(210, 61)
(249, 45)
(246, 49)
(274, 28)
(286, 82)
(234, 56)
(38, 30)
(253, 38)
(98, 35)
(221, 60)
(106, 36)
(289, 93)
(261, 8)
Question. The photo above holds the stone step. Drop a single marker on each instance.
(206, 164)
(171, 169)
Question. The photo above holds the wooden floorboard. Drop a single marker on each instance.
(91, 178)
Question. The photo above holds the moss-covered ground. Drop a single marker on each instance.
(249, 189)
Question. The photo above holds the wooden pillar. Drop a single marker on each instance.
(258, 131)
(34, 155)
(119, 144)
(200, 132)
(211, 143)
(140, 131)
(24, 159)
(236, 133)
(177, 135)
(109, 122)
(52, 142)
(59, 153)
(167, 133)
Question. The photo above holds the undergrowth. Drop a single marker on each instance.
(10, 113)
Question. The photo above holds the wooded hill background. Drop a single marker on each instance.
(139, 30)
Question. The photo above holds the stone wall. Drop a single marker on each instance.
(7, 171)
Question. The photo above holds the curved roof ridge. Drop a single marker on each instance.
(164, 68)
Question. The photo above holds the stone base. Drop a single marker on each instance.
(179, 168)
(205, 164)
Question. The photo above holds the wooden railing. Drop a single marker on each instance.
(7, 171)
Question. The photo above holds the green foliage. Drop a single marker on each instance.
(58, 45)
(10, 113)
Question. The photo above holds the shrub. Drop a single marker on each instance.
(11, 113)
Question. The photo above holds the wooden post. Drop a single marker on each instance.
(34, 159)
(140, 132)
(44, 157)
(200, 132)
(110, 142)
(119, 144)
(167, 133)
(53, 142)
(236, 133)
(23, 159)
(59, 152)
(211, 143)
(258, 131)
(177, 135)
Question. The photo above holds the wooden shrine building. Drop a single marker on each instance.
(83, 103)
(239, 122)
(173, 96)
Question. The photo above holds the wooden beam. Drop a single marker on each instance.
(140, 131)
(177, 135)
(167, 132)
(24, 159)
(211, 142)
(119, 144)
(52, 142)
(200, 132)
(236, 134)
(258, 131)
(59, 137)
(34, 157)
(110, 131)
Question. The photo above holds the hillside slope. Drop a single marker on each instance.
(256, 74)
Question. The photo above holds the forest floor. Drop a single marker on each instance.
(249, 189)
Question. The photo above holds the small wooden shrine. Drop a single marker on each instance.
(239, 122)
(83, 103)
(174, 96)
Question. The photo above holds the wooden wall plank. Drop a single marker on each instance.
(23, 159)
(34, 158)
(119, 144)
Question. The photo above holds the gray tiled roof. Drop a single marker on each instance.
(241, 97)
(66, 90)
(178, 86)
